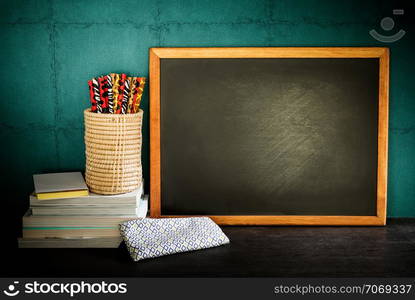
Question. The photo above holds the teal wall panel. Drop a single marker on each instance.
(105, 12)
(327, 12)
(25, 151)
(319, 35)
(205, 35)
(82, 53)
(50, 48)
(25, 76)
(402, 129)
(70, 148)
(213, 11)
(24, 11)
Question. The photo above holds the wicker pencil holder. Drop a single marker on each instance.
(113, 152)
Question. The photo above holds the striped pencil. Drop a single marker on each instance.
(110, 95)
(141, 81)
(115, 91)
(92, 97)
(131, 94)
(126, 93)
(103, 93)
(95, 86)
(121, 88)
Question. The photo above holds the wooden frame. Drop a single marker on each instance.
(269, 52)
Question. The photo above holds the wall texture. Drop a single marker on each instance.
(49, 49)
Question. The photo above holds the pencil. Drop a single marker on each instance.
(121, 83)
(95, 87)
(103, 93)
(131, 94)
(126, 92)
(141, 81)
(91, 97)
(115, 91)
(110, 95)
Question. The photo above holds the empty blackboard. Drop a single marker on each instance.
(269, 139)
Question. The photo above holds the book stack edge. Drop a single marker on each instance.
(90, 221)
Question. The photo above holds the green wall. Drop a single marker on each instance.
(49, 49)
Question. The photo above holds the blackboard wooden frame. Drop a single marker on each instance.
(274, 52)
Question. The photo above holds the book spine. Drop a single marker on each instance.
(107, 242)
(65, 232)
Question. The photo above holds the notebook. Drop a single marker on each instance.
(59, 185)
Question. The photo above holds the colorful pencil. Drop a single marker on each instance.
(131, 94)
(121, 87)
(126, 93)
(95, 86)
(91, 97)
(141, 81)
(115, 91)
(110, 95)
(103, 93)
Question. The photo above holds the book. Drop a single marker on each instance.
(78, 226)
(107, 242)
(125, 210)
(70, 232)
(59, 185)
(31, 221)
(91, 199)
(67, 194)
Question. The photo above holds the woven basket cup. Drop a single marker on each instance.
(113, 152)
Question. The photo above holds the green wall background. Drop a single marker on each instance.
(49, 49)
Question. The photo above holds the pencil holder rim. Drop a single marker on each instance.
(88, 112)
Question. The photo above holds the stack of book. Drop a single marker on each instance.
(62, 214)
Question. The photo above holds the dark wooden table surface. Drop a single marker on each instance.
(253, 252)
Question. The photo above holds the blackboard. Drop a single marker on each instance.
(270, 138)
